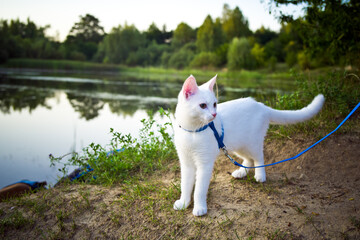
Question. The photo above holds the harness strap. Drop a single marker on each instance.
(220, 140)
(197, 130)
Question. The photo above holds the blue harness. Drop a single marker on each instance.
(222, 146)
(219, 139)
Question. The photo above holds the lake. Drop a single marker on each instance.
(44, 113)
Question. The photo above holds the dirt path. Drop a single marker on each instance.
(314, 197)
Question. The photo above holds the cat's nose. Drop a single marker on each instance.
(214, 114)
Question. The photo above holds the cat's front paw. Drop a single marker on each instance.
(260, 177)
(240, 173)
(180, 204)
(199, 211)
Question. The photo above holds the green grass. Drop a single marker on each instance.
(228, 78)
(341, 93)
(60, 65)
(14, 220)
(137, 158)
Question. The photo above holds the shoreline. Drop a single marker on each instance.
(311, 197)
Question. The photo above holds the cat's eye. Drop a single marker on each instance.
(203, 105)
(214, 104)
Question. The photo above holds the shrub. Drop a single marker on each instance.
(239, 55)
(205, 59)
(137, 156)
(258, 53)
(181, 59)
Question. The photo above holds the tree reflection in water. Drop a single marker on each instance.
(86, 97)
(88, 107)
(18, 99)
(124, 96)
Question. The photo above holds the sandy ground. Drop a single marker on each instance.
(313, 197)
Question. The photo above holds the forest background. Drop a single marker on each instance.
(328, 34)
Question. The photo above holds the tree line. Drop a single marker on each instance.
(328, 34)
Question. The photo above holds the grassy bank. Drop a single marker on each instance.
(60, 65)
(229, 78)
(130, 193)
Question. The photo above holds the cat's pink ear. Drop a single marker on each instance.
(212, 82)
(190, 87)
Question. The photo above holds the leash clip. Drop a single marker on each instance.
(226, 153)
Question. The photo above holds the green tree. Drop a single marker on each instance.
(291, 42)
(148, 56)
(209, 35)
(120, 42)
(205, 59)
(234, 24)
(88, 29)
(154, 34)
(274, 49)
(181, 58)
(329, 28)
(239, 55)
(183, 34)
(83, 38)
(258, 52)
(264, 35)
(25, 39)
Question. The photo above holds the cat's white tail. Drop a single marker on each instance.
(295, 116)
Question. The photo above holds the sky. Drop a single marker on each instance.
(61, 15)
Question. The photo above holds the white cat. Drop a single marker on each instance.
(244, 122)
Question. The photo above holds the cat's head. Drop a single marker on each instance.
(196, 104)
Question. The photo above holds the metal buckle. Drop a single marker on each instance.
(227, 154)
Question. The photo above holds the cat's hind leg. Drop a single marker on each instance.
(242, 172)
(188, 171)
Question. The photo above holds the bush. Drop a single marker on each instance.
(338, 89)
(181, 59)
(78, 56)
(137, 156)
(303, 60)
(291, 58)
(221, 53)
(165, 58)
(258, 53)
(272, 63)
(205, 59)
(239, 55)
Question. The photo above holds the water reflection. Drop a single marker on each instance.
(19, 98)
(86, 96)
(88, 107)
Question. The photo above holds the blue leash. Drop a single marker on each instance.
(285, 160)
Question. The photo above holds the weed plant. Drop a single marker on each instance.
(129, 157)
(342, 93)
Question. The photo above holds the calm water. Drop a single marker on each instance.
(42, 114)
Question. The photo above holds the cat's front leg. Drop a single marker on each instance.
(260, 174)
(203, 177)
(187, 184)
